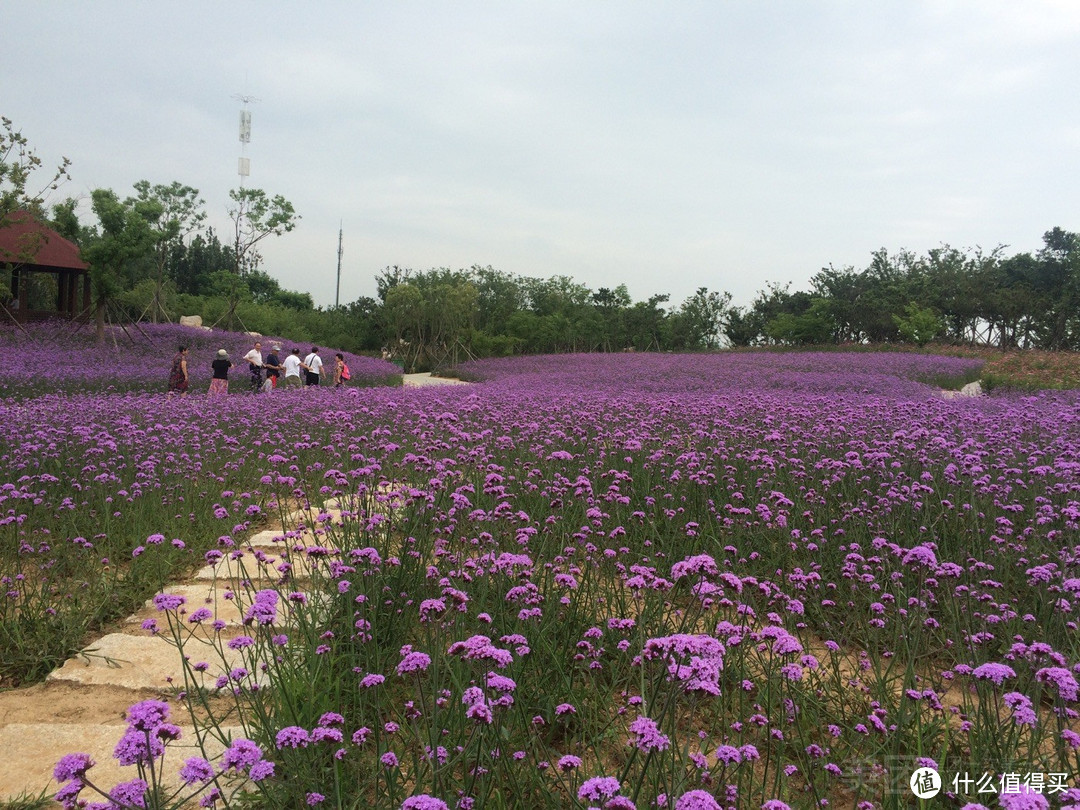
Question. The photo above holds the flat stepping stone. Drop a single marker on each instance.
(310, 517)
(271, 539)
(31, 752)
(216, 598)
(144, 662)
(248, 568)
(227, 605)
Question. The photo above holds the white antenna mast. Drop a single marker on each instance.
(337, 291)
(244, 164)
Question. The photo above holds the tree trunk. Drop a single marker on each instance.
(157, 300)
(99, 323)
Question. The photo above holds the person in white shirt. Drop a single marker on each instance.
(313, 364)
(255, 366)
(292, 370)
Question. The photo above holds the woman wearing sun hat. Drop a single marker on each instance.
(219, 385)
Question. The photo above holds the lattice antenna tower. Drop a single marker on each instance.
(244, 164)
(337, 290)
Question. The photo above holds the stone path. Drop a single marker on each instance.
(425, 379)
(81, 706)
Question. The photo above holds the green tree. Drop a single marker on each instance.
(499, 295)
(703, 316)
(645, 323)
(431, 316)
(290, 299)
(556, 294)
(810, 327)
(181, 215)
(19, 165)
(255, 217)
(842, 290)
(127, 232)
(389, 278)
(744, 326)
(960, 287)
(610, 306)
(191, 265)
(21, 189)
(749, 327)
(66, 222)
(1059, 282)
(918, 325)
(227, 285)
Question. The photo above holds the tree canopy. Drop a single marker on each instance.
(151, 256)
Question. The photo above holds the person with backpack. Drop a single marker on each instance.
(341, 370)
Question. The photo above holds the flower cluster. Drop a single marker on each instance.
(143, 744)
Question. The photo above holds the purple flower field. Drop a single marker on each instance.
(891, 373)
(625, 581)
(60, 357)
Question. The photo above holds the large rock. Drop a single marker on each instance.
(973, 389)
(191, 320)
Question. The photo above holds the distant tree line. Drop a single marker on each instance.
(440, 316)
(963, 297)
(153, 258)
(972, 297)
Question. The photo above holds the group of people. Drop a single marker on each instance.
(266, 374)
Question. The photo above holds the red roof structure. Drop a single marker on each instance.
(25, 241)
(46, 276)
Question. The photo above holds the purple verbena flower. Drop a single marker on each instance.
(598, 788)
(697, 800)
(993, 672)
(1024, 799)
(130, 794)
(168, 601)
(1063, 681)
(72, 766)
(569, 762)
(292, 737)
(423, 802)
(414, 662)
(196, 769)
(647, 735)
(241, 755)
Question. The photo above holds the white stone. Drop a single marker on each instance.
(191, 320)
(147, 662)
(267, 539)
(32, 749)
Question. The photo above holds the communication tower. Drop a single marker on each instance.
(337, 290)
(244, 164)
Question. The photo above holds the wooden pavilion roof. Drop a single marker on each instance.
(25, 241)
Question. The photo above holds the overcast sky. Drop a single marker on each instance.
(667, 146)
